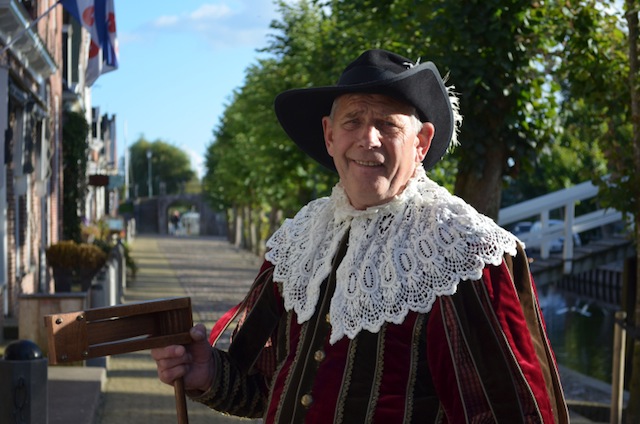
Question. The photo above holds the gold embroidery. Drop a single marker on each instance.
(346, 379)
(377, 379)
(296, 358)
(413, 367)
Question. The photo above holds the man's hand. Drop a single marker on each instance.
(194, 362)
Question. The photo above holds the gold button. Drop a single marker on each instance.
(319, 355)
(328, 318)
(306, 400)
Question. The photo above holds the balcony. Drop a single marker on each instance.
(27, 46)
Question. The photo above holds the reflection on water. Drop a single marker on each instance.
(580, 331)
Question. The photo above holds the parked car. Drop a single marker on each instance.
(555, 245)
(522, 227)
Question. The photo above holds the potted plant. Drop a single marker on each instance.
(74, 264)
(106, 239)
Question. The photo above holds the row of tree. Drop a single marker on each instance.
(544, 92)
(548, 93)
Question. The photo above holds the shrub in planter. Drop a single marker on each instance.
(74, 263)
(107, 247)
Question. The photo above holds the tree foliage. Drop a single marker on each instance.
(252, 162)
(536, 80)
(593, 69)
(74, 162)
(169, 165)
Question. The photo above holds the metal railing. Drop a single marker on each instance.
(601, 284)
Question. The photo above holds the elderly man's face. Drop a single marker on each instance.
(376, 146)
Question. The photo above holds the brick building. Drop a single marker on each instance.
(42, 66)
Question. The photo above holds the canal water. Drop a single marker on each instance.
(580, 332)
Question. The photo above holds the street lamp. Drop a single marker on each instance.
(149, 184)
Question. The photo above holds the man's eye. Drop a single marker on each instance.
(388, 125)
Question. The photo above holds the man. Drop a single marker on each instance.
(175, 222)
(391, 300)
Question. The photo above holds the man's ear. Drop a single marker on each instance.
(328, 134)
(424, 140)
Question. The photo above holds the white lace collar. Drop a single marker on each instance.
(400, 256)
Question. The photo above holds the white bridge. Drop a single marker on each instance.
(547, 267)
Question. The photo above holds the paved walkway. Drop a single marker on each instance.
(215, 275)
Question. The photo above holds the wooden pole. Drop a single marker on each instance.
(181, 402)
(617, 372)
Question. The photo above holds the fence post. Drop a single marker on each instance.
(617, 371)
(23, 384)
(567, 248)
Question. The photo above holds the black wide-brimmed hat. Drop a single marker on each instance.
(300, 111)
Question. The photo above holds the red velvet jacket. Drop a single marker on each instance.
(479, 356)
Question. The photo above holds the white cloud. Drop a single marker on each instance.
(166, 21)
(210, 11)
(222, 25)
(205, 14)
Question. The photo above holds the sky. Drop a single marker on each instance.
(179, 63)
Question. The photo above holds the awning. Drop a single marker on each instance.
(29, 48)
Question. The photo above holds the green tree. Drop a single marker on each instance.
(251, 164)
(506, 98)
(74, 162)
(170, 167)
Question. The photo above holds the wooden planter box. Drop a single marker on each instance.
(68, 280)
(33, 308)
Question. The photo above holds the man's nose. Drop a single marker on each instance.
(370, 137)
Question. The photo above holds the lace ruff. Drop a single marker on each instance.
(401, 255)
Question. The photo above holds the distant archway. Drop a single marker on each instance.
(211, 223)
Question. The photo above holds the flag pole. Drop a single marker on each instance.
(28, 27)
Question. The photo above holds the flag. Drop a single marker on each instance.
(97, 17)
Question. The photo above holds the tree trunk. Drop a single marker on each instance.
(275, 220)
(254, 241)
(483, 191)
(237, 222)
(230, 218)
(259, 248)
(246, 228)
